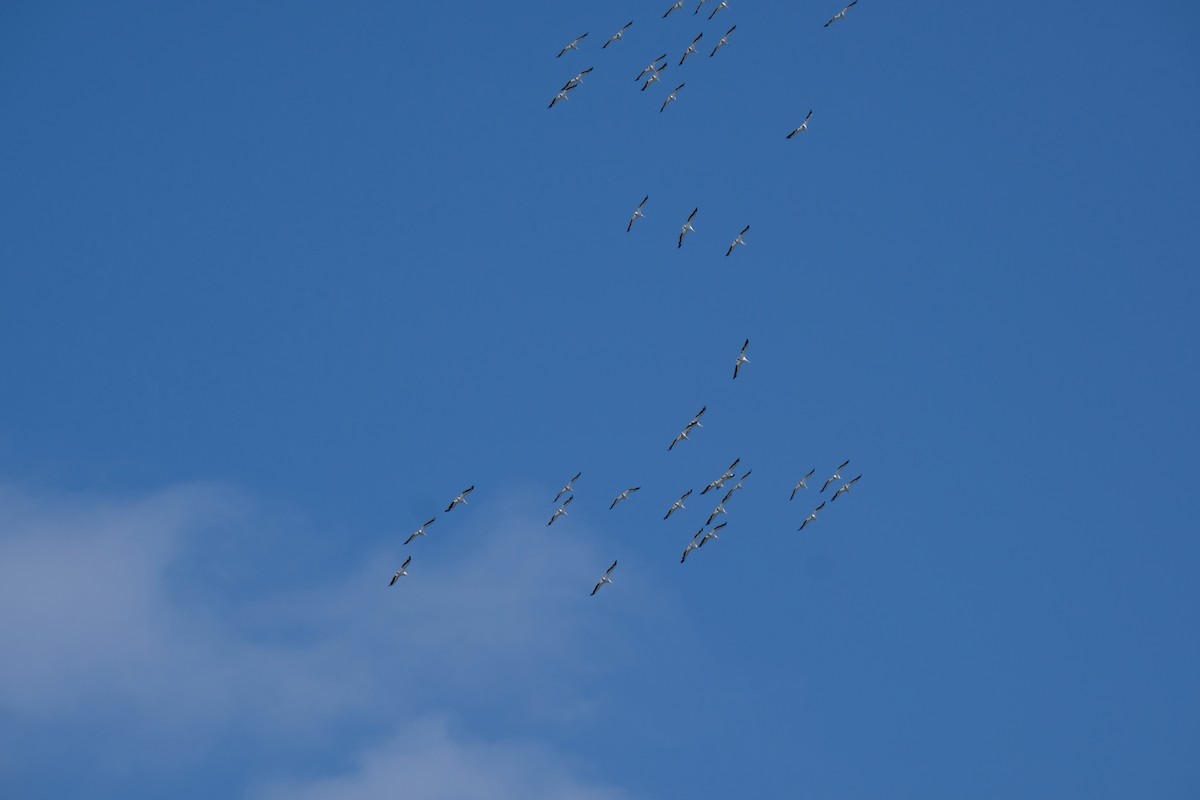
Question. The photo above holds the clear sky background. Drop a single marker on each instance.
(278, 280)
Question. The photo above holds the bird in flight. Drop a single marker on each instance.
(803, 125)
(690, 50)
(419, 531)
(462, 498)
(712, 534)
(655, 76)
(678, 5)
(738, 242)
(637, 212)
(670, 98)
(803, 484)
(578, 79)
(572, 46)
(678, 504)
(737, 486)
(724, 41)
(562, 510)
(741, 359)
(687, 226)
(651, 67)
(692, 545)
(400, 573)
(845, 488)
(695, 423)
(616, 37)
(841, 14)
(717, 10)
(836, 476)
(604, 578)
(623, 496)
(568, 488)
(697, 11)
(811, 517)
(718, 511)
(562, 95)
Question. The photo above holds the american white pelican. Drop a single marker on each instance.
(811, 517)
(678, 5)
(803, 484)
(841, 14)
(572, 46)
(616, 37)
(655, 76)
(690, 50)
(717, 10)
(604, 578)
(651, 67)
(568, 488)
(623, 496)
(741, 359)
(845, 488)
(637, 212)
(400, 573)
(724, 41)
(462, 498)
(836, 476)
(562, 510)
(419, 531)
(687, 226)
(803, 125)
(678, 504)
(670, 98)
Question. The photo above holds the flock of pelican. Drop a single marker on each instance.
(649, 75)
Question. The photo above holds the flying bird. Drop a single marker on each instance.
(697, 11)
(670, 98)
(419, 531)
(803, 125)
(719, 483)
(623, 496)
(841, 14)
(803, 484)
(678, 5)
(400, 573)
(836, 476)
(736, 487)
(562, 95)
(695, 423)
(724, 41)
(655, 76)
(690, 50)
(738, 241)
(692, 545)
(678, 504)
(462, 498)
(811, 517)
(618, 35)
(741, 359)
(718, 511)
(562, 510)
(568, 488)
(651, 67)
(712, 534)
(578, 79)
(845, 488)
(637, 212)
(572, 46)
(687, 226)
(717, 10)
(604, 578)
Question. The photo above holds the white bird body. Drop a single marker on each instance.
(461, 499)
(841, 14)
(811, 517)
(651, 67)
(690, 50)
(717, 10)
(741, 359)
(687, 226)
(845, 488)
(574, 45)
(678, 5)
(420, 531)
(803, 484)
(402, 572)
(724, 41)
(655, 76)
(637, 212)
(623, 496)
(562, 510)
(671, 98)
(738, 242)
(678, 504)
(605, 578)
(570, 487)
(616, 37)
(836, 476)
(803, 125)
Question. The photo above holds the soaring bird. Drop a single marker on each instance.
(712, 534)
(737, 486)
(400, 573)
(803, 125)
(717, 10)
(678, 5)
(836, 476)
(562, 510)
(670, 98)
(811, 517)
(690, 50)
(618, 35)
(623, 496)
(687, 226)
(651, 67)
(655, 76)
(568, 488)
(803, 484)
(692, 544)
(462, 498)
(845, 488)
(562, 95)
(637, 212)
(678, 504)
(718, 511)
(697, 11)
(604, 578)
(738, 241)
(578, 79)
(841, 14)
(419, 531)
(724, 41)
(572, 46)
(741, 359)
(695, 423)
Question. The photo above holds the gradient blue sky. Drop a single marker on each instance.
(278, 280)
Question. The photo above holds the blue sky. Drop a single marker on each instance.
(277, 281)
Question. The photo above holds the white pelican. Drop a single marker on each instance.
(741, 359)
(655, 76)
(562, 95)
(670, 98)
(419, 531)
(687, 226)
(717, 10)
(803, 484)
(400, 573)
(623, 496)
(845, 489)
(841, 14)
(738, 241)
(637, 212)
(811, 517)
(462, 498)
(618, 35)
(568, 488)
(651, 67)
(578, 79)
(712, 534)
(697, 11)
(803, 125)
(718, 511)
(678, 5)
(562, 510)
(604, 578)
(724, 41)
(835, 476)
(691, 49)
(695, 423)
(692, 545)
(678, 504)
(572, 46)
